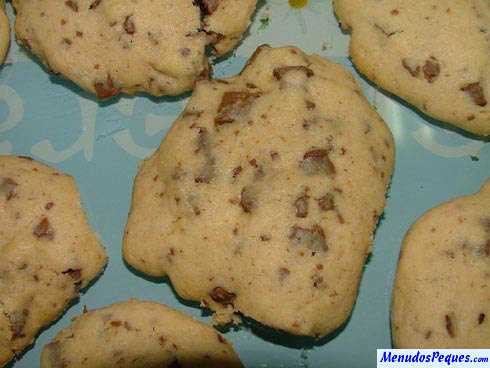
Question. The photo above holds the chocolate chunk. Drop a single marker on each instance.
(205, 74)
(449, 325)
(208, 7)
(476, 93)
(222, 296)
(414, 72)
(95, 4)
(129, 26)
(247, 199)
(116, 323)
(281, 71)
(431, 69)
(310, 105)
(283, 273)
(48, 206)
(221, 339)
(313, 238)
(236, 171)
(72, 5)
(316, 161)
(327, 202)
(486, 248)
(74, 273)
(105, 90)
(203, 141)
(481, 318)
(206, 174)
(208, 171)
(233, 106)
(44, 229)
(428, 334)
(18, 321)
(301, 205)
(7, 188)
(318, 282)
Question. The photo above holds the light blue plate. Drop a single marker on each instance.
(101, 145)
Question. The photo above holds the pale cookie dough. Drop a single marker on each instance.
(4, 32)
(48, 252)
(441, 297)
(137, 334)
(263, 197)
(130, 46)
(433, 54)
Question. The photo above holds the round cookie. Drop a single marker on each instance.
(48, 252)
(137, 334)
(263, 197)
(433, 54)
(113, 46)
(442, 288)
(4, 32)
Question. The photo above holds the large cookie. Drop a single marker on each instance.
(137, 334)
(441, 297)
(433, 54)
(48, 251)
(130, 46)
(263, 197)
(4, 32)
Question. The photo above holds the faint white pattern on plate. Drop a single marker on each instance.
(85, 142)
(425, 137)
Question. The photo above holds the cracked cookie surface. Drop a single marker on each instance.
(130, 46)
(442, 288)
(138, 334)
(48, 252)
(263, 197)
(433, 54)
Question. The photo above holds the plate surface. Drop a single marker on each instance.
(101, 145)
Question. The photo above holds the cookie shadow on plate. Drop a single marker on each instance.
(75, 89)
(166, 280)
(258, 329)
(278, 337)
(71, 304)
(60, 80)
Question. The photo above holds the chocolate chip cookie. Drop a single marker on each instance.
(442, 287)
(48, 252)
(138, 334)
(263, 197)
(433, 54)
(130, 46)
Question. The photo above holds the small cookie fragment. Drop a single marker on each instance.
(138, 334)
(48, 252)
(433, 54)
(108, 47)
(4, 32)
(225, 21)
(282, 186)
(441, 291)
